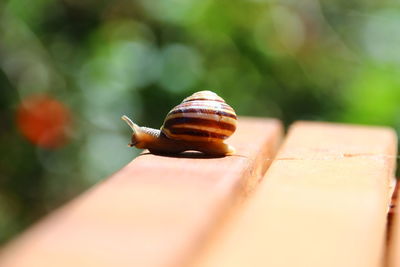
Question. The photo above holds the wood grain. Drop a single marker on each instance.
(394, 233)
(323, 202)
(154, 212)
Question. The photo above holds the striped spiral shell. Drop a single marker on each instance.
(201, 117)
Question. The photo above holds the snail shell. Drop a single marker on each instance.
(201, 117)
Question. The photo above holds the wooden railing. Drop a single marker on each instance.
(321, 201)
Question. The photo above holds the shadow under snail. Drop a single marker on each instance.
(201, 122)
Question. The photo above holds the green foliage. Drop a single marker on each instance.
(373, 97)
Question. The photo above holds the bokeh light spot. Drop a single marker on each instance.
(44, 121)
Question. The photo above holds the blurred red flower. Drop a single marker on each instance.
(44, 121)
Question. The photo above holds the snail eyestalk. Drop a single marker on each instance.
(135, 128)
(129, 122)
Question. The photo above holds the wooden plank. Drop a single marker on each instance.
(154, 212)
(394, 233)
(323, 202)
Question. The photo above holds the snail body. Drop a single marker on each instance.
(201, 122)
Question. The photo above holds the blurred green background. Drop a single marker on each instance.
(70, 68)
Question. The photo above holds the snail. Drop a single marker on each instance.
(201, 122)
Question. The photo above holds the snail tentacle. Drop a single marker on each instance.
(131, 124)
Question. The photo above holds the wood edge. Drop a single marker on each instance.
(392, 256)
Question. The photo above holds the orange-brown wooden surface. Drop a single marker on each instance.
(323, 202)
(394, 238)
(154, 212)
